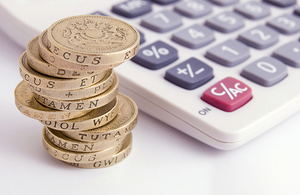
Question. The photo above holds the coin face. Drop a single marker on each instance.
(93, 39)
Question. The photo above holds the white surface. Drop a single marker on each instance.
(163, 160)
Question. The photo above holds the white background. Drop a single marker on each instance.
(163, 160)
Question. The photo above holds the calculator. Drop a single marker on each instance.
(221, 71)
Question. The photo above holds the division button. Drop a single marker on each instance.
(190, 74)
(225, 22)
(194, 37)
(162, 21)
(228, 53)
(259, 37)
(228, 94)
(253, 10)
(156, 55)
(289, 54)
(266, 71)
(132, 8)
(193, 8)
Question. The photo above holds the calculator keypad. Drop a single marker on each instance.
(228, 94)
(229, 53)
(190, 74)
(253, 10)
(194, 37)
(266, 71)
(162, 21)
(259, 37)
(225, 22)
(156, 55)
(193, 8)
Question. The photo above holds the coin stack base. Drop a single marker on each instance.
(69, 86)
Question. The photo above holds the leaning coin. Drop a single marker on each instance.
(116, 158)
(66, 143)
(27, 105)
(75, 157)
(37, 63)
(120, 126)
(82, 93)
(43, 81)
(51, 58)
(93, 40)
(81, 104)
(96, 118)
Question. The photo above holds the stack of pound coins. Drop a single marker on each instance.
(69, 86)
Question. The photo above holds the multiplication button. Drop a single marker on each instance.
(156, 55)
(190, 74)
(228, 94)
(266, 71)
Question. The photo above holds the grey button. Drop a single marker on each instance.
(224, 2)
(297, 11)
(286, 24)
(190, 74)
(162, 21)
(156, 55)
(266, 71)
(229, 53)
(194, 37)
(282, 3)
(253, 10)
(164, 2)
(132, 8)
(225, 22)
(259, 37)
(289, 54)
(98, 13)
(193, 8)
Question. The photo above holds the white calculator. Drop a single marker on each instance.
(221, 71)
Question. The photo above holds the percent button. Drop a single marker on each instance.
(156, 55)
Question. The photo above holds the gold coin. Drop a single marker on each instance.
(120, 126)
(51, 58)
(43, 81)
(72, 156)
(83, 93)
(27, 105)
(66, 143)
(116, 158)
(38, 64)
(93, 40)
(82, 104)
(96, 118)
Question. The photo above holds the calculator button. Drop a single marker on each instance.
(142, 37)
(224, 2)
(285, 24)
(164, 2)
(190, 74)
(228, 94)
(297, 11)
(281, 3)
(266, 71)
(259, 37)
(225, 22)
(229, 53)
(193, 8)
(98, 13)
(194, 37)
(289, 54)
(156, 55)
(132, 8)
(253, 10)
(162, 21)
